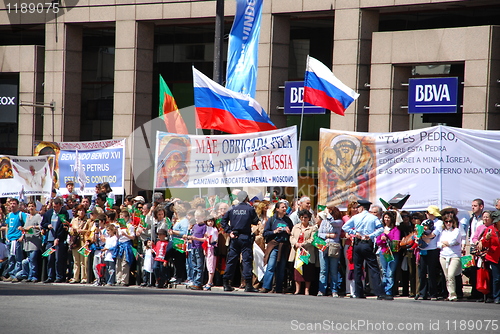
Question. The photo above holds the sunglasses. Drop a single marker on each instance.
(449, 221)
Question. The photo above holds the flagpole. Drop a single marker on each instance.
(301, 122)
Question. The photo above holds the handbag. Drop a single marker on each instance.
(74, 241)
(483, 281)
(333, 249)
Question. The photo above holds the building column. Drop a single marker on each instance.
(133, 84)
(63, 81)
(273, 54)
(28, 61)
(481, 90)
(352, 37)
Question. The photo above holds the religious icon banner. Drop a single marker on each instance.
(440, 165)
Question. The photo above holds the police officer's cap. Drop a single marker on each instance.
(364, 203)
(242, 196)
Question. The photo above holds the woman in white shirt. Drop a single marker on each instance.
(450, 242)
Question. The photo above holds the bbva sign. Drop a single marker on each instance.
(433, 95)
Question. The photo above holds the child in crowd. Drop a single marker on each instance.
(69, 191)
(160, 263)
(147, 268)
(198, 257)
(212, 236)
(123, 251)
(107, 251)
(97, 237)
(189, 264)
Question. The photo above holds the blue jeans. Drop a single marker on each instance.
(388, 272)
(31, 266)
(161, 273)
(495, 279)
(15, 260)
(110, 272)
(198, 262)
(56, 265)
(328, 269)
(189, 265)
(275, 269)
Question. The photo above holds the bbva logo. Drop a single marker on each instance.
(433, 92)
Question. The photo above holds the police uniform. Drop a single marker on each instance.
(366, 224)
(238, 220)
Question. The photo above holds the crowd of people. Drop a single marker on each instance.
(267, 246)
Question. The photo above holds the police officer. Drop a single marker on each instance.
(237, 223)
(365, 227)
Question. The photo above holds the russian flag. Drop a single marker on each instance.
(323, 89)
(222, 109)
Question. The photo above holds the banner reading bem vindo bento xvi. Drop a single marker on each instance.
(102, 161)
(441, 166)
(21, 177)
(267, 158)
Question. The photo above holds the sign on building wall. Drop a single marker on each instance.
(102, 161)
(267, 158)
(441, 166)
(9, 94)
(294, 94)
(433, 95)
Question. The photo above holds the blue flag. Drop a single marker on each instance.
(242, 57)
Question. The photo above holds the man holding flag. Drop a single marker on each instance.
(55, 221)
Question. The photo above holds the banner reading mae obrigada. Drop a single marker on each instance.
(103, 161)
(441, 166)
(21, 177)
(267, 158)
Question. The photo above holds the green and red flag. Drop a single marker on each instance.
(169, 111)
(110, 202)
(179, 244)
(49, 251)
(84, 251)
(122, 222)
(387, 253)
(318, 242)
(143, 221)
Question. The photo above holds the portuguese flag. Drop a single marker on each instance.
(179, 244)
(169, 111)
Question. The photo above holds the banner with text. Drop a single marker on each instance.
(102, 161)
(267, 158)
(25, 176)
(441, 166)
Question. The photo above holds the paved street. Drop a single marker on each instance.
(65, 308)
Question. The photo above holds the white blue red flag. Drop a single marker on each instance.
(221, 109)
(323, 89)
(243, 48)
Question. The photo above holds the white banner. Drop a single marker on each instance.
(441, 166)
(266, 158)
(25, 176)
